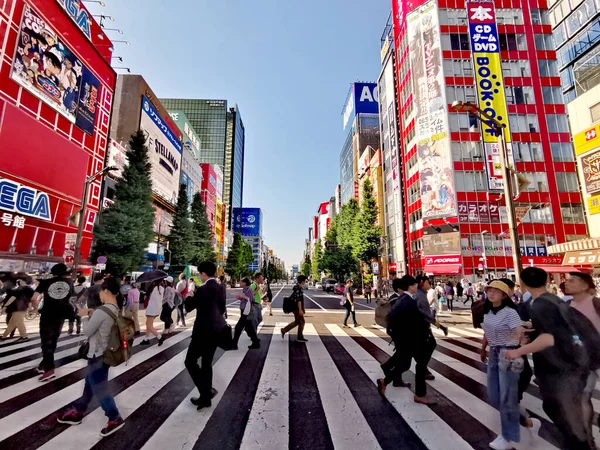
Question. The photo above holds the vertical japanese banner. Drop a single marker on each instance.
(436, 171)
(485, 49)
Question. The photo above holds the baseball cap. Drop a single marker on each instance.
(169, 279)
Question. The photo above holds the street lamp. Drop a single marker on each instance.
(81, 216)
(122, 42)
(498, 127)
(113, 29)
(96, 1)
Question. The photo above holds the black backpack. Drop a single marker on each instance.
(289, 305)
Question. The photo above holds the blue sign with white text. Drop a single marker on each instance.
(15, 197)
(247, 221)
(364, 99)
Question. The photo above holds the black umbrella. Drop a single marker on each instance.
(148, 277)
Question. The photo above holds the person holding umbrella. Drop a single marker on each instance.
(154, 308)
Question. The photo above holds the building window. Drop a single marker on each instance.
(540, 17)
(562, 151)
(557, 123)
(519, 95)
(548, 67)
(513, 42)
(544, 42)
(567, 182)
(595, 112)
(462, 122)
(460, 93)
(538, 181)
(527, 151)
(572, 213)
(552, 95)
(470, 181)
(509, 16)
(516, 68)
(523, 123)
(580, 16)
(466, 151)
(459, 41)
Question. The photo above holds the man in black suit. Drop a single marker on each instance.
(209, 302)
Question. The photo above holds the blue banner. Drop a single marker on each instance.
(247, 221)
(162, 125)
(88, 99)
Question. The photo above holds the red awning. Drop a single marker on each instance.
(443, 269)
(564, 269)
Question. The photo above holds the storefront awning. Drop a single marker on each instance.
(581, 244)
(443, 269)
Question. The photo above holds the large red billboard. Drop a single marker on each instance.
(56, 93)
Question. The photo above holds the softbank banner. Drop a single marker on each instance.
(165, 153)
(490, 85)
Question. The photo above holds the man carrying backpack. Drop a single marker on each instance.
(56, 291)
(564, 347)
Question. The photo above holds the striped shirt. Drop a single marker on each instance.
(500, 328)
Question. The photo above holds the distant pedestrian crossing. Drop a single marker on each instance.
(318, 395)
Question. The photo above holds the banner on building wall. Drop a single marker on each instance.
(441, 244)
(485, 48)
(435, 160)
(117, 158)
(165, 151)
(48, 69)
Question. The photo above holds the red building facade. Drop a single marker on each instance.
(56, 92)
(470, 237)
(209, 192)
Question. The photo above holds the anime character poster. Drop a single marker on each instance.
(44, 66)
(436, 172)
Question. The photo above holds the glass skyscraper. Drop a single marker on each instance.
(222, 134)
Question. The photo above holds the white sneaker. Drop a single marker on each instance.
(534, 431)
(500, 444)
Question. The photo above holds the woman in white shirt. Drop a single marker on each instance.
(153, 311)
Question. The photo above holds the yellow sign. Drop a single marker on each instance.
(594, 204)
(587, 140)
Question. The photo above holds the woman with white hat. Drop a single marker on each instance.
(503, 329)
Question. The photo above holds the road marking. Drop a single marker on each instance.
(357, 304)
(315, 303)
(277, 294)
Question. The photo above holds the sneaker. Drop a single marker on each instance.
(70, 417)
(145, 342)
(445, 330)
(47, 376)
(78, 332)
(429, 376)
(112, 426)
(270, 314)
(22, 339)
(356, 325)
(254, 346)
(534, 430)
(39, 370)
(302, 340)
(500, 444)
(345, 326)
(161, 340)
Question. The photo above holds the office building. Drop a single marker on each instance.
(393, 201)
(361, 122)
(221, 134)
(456, 222)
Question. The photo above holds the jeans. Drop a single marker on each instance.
(469, 297)
(257, 316)
(245, 324)
(368, 297)
(450, 301)
(96, 385)
(50, 328)
(563, 396)
(503, 390)
(167, 316)
(349, 310)
(298, 322)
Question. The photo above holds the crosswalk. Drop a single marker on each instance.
(321, 395)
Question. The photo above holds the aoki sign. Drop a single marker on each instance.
(17, 198)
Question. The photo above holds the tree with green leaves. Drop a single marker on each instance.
(316, 261)
(337, 259)
(345, 223)
(306, 266)
(365, 234)
(181, 236)
(238, 258)
(125, 229)
(202, 236)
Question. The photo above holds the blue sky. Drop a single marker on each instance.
(287, 64)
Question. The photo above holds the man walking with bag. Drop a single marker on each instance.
(209, 302)
(298, 298)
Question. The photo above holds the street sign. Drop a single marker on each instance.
(253, 266)
(375, 267)
(101, 260)
(100, 266)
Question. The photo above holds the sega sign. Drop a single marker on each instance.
(79, 15)
(247, 221)
(363, 99)
(18, 198)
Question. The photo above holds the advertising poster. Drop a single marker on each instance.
(116, 158)
(46, 67)
(165, 153)
(485, 47)
(441, 244)
(247, 221)
(88, 97)
(590, 166)
(435, 159)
